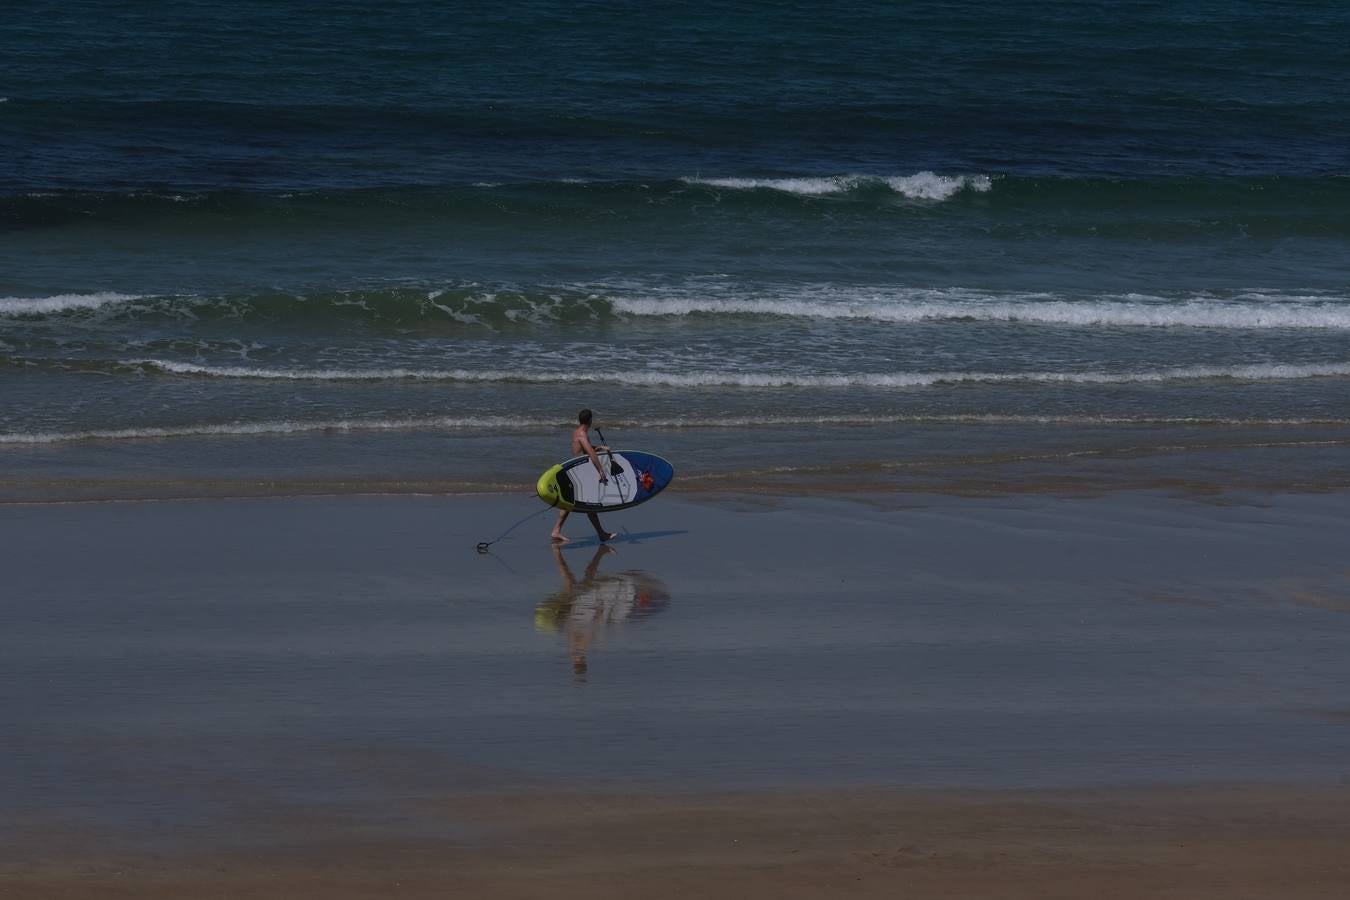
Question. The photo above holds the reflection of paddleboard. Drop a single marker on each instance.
(634, 477)
(605, 600)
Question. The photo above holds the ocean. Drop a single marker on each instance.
(316, 247)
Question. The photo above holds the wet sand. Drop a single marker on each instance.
(1132, 695)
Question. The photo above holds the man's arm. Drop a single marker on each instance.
(595, 459)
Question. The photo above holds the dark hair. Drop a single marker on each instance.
(584, 417)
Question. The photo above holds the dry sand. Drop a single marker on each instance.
(1182, 843)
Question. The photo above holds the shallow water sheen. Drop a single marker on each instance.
(210, 660)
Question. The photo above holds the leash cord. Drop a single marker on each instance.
(485, 546)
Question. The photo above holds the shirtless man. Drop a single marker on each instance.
(581, 443)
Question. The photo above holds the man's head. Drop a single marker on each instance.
(584, 418)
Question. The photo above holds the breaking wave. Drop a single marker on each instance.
(499, 306)
(500, 424)
(280, 427)
(60, 303)
(1251, 312)
(734, 379)
(920, 186)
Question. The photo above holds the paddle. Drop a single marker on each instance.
(614, 468)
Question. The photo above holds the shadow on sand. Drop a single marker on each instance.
(625, 537)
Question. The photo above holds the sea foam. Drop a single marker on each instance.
(920, 186)
(29, 306)
(501, 306)
(921, 306)
(740, 379)
(498, 424)
(280, 428)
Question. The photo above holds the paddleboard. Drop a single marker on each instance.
(633, 477)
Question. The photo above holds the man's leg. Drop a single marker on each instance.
(557, 534)
(600, 530)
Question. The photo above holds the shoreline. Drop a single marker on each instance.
(957, 460)
(696, 489)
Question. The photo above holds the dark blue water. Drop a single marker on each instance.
(1009, 222)
(260, 95)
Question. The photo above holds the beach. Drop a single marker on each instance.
(1135, 693)
(1001, 352)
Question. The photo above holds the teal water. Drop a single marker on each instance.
(321, 240)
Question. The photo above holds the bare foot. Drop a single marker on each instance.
(559, 539)
(609, 536)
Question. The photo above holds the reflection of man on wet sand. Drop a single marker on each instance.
(582, 608)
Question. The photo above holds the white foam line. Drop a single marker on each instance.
(498, 424)
(919, 186)
(972, 419)
(1248, 311)
(1261, 372)
(27, 306)
(395, 374)
(240, 429)
(1194, 314)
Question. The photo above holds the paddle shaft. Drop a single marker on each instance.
(614, 468)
